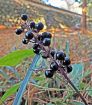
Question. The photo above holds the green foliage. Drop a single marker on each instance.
(89, 91)
(86, 73)
(76, 74)
(77, 103)
(25, 81)
(16, 57)
(12, 90)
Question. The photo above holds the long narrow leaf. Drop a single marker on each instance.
(90, 91)
(77, 73)
(25, 81)
(14, 58)
(9, 92)
(77, 103)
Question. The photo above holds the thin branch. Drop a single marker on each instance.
(66, 77)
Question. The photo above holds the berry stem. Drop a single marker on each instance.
(66, 77)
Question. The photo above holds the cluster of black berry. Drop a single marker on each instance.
(59, 60)
(41, 46)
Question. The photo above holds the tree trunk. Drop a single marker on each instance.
(84, 12)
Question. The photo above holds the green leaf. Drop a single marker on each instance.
(89, 91)
(9, 92)
(82, 85)
(77, 73)
(77, 103)
(16, 57)
(86, 73)
(25, 81)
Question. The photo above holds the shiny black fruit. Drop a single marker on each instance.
(49, 73)
(69, 69)
(32, 24)
(35, 46)
(29, 35)
(36, 51)
(25, 41)
(46, 35)
(52, 53)
(19, 31)
(24, 17)
(60, 55)
(67, 61)
(39, 26)
(46, 42)
(54, 66)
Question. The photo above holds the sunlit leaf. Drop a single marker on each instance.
(16, 57)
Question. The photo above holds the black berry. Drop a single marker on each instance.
(67, 61)
(32, 25)
(69, 69)
(39, 26)
(25, 41)
(49, 73)
(54, 66)
(46, 35)
(35, 46)
(19, 31)
(24, 17)
(46, 42)
(36, 51)
(52, 53)
(60, 55)
(40, 37)
(29, 35)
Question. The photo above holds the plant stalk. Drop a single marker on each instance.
(66, 77)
